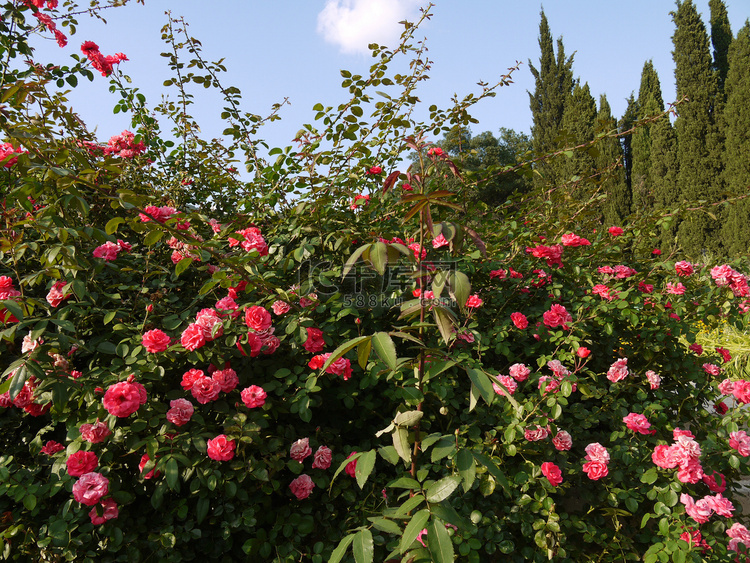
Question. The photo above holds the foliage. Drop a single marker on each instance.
(363, 309)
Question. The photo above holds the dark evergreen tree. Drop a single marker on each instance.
(697, 135)
(578, 123)
(664, 168)
(626, 124)
(737, 146)
(721, 39)
(553, 86)
(609, 163)
(650, 103)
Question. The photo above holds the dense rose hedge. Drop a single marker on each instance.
(336, 360)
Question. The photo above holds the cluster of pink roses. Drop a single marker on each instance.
(124, 145)
(159, 214)
(100, 62)
(701, 510)
(557, 316)
(303, 485)
(253, 240)
(260, 335)
(208, 326)
(571, 239)
(9, 152)
(551, 384)
(597, 460)
(620, 271)
(552, 254)
(684, 453)
(604, 292)
(342, 366)
(725, 275)
(109, 250)
(739, 389)
(206, 389)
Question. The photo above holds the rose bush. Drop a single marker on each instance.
(486, 397)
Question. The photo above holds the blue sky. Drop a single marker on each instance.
(295, 49)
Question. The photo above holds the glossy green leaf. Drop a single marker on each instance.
(439, 543)
(466, 468)
(401, 443)
(415, 525)
(443, 488)
(363, 547)
(365, 465)
(384, 347)
(338, 553)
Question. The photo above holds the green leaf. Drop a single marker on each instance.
(401, 443)
(466, 468)
(408, 419)
(354, 257)
(385, 349)
(443, 488)
(460, 287)
(29, 501)
(445, 511)
(409, 505)
(365, 465)
(378, 257)
(15, 309)
(363, 353)
(439, 543)
(112, 224)
(173, 474)
(649, 476)
(18, 381)
(363, 547)
(343, 349)
(444, 322)
(483, 384)
(343, 465)
(201, 509)
(492, 469)
(338, 553)
(389, 454)
(445, 446)
(182, 265)
(415, 525)
(385, 525)
(404, 483)
(153, 237)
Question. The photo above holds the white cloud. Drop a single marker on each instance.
(354, 24)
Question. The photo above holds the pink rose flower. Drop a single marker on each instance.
(300, 450)
(210, 324)
(253, 396)
(180, 411)
(52, 447)
(314, 342)
(192, 337)
(683, 268)
(720, 505)
(618, 370)
(108, 251)
(55, 295)
(322, 458)
(615, 231)
(221, 448)
(595, 470)
(740, 441)
(726, 356)
(257, 318)
(716, 482)
(473, 302)
(552, 473)
(205, 390)
(653, 378)
(81, 462)
(155, 341)
(90, 488)
(190, 377)
(572, 239)
(557, 316)
(280, 307)
(583, 352)
(596, 452)
(351, 467)
(535, 434)
(508, 382)
(142, 464)
(302, 486)
(519, 372)
(711, 369)
(109, 511)
(95, 433)
(520, 320)
(637, 423)
(726, 387)
(226, 378)
(562, 441)
(123, 399)
(699, 511)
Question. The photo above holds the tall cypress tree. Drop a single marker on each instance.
(626, 124)
(721, 39)
(553, 86)
(650, 103)
(664, 168)
(697, 134)
(737, 147)
(616, 207)
(578, 123)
